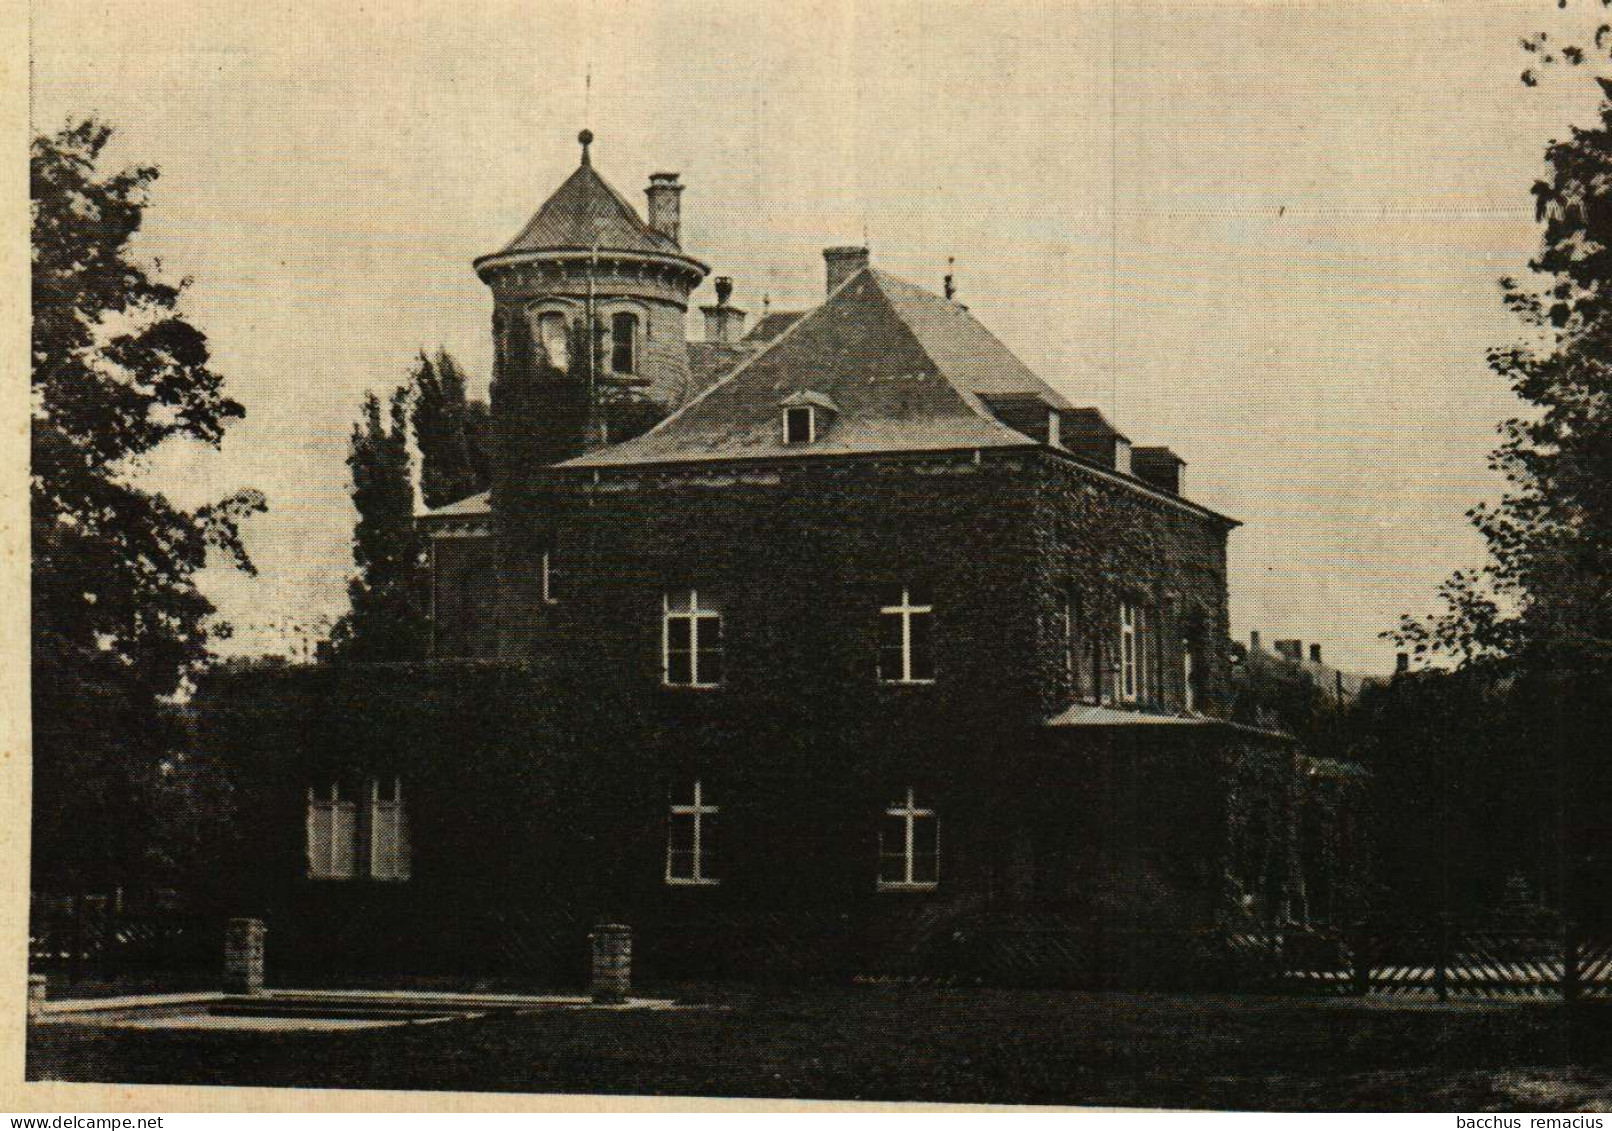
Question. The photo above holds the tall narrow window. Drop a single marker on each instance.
(552, 330)
(1129, 667)
(624, 343)
(1069, 628)
(1189, 692)
(906, 635)
(689, 828)
(691, 640)
(332, 834)
(389, 850)
(547, 576)
(909, 846)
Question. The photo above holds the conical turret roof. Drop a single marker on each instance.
(584, 213)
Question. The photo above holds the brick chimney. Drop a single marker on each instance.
(1401, 662)
(1315, 653)
(1253, 641)
(665, 210)
(724, 322)
(843, 262)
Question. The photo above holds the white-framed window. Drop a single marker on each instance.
(332, 834)
(553, 333)
(1189, 693)
(624, 342)
(691, 639)
(800, 424)
(389, 849)
(547, 576)
(1138, 653)
(689, 829)
(906, 634)
(909, 846)
(1130, 618)
(1069, 635)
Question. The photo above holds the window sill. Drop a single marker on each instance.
(692, 686)
(883, 886)
(675, 882)
(906, 683)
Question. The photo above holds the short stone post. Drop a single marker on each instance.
(243, 956)
(612, 963)
(38, 992)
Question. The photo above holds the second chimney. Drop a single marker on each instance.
(724, 322)
(843, 262)
(1315, 653)
(665, 209)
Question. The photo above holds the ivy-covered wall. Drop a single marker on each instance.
(538, 785)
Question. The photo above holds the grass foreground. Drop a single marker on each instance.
(922, 1044)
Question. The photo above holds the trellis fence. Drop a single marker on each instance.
(91, 936)
(1447, 962)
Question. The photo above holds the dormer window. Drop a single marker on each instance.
(800, 425)
(806, 417)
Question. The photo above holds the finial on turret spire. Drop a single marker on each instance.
(586, 138)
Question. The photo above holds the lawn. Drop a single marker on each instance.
(923, 1043)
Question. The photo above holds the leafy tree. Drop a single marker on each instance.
(1545, 595)
(384, 621)
(118, 622)
(451, 431)
(1510, 743)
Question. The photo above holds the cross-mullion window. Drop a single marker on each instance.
(909, 846)
(332, 834)
(389, 853)
(691, 640)
(906, 635)
(689, 832)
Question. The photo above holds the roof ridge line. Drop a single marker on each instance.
(752, 359)
(971, 400)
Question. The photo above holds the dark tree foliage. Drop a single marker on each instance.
(1545, 595)
(1507, 750)
(385, 621)
(117, 619)
(452, 431)
(540, 416)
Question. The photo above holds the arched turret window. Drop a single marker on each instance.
(624, 342)
(552, 330)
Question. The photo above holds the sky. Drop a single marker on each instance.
(1266, 234)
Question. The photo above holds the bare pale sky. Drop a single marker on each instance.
(1265, 234)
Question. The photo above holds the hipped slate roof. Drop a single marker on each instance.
(584, 209)
(907, 369)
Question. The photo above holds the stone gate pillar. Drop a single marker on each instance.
(38, 991)
(243, 956)
(612, 963)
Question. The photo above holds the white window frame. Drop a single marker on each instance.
(551, 317)
(1129, 685)
(324, 859)
(389, 862)
(548, 578)
(1071, 661)
(911, 814)
(906, 610)
(694, 614)
(696, 813)
(811, 423)
(1188, 695)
